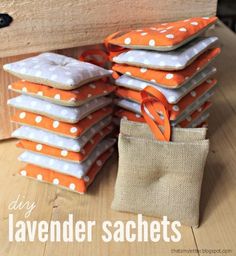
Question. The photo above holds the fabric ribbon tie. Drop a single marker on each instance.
(90, 56)
(155, 103)
(113, 50)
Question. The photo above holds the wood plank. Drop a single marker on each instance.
(46, 25)
(10, 187)
(96, 206)
(55, 204)
(218, 209)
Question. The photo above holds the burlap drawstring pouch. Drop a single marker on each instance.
(160, 170)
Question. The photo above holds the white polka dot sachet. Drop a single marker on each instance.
(173, 58)
(65, 116)
(56, 70)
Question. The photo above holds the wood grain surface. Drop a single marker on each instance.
(58, 24)
(218, 208)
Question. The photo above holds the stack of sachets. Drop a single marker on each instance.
(64, 117)
(171, 57)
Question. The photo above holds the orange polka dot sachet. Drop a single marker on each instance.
(163, 36)
(65, 117)
(174, 58)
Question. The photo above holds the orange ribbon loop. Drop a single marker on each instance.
(113, 50)
(115, 75)
(90, 56)
(154, 102)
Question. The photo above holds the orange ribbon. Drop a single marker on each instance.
(112, 49)
(90, 56)
(154, 101)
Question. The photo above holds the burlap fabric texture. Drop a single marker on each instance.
(158, 178)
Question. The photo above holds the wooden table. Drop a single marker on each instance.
(218, 207)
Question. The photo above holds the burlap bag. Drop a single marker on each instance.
(160, 178)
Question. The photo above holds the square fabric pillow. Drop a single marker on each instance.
(165, 36)
(187, 122)
(190, 120)
(172, 96)
(175, 116)
(54, 111)
(201, 119)
(202, 92)
(134, 109)
(65, 154)
(67, 167)
(155, 182)
(71, 98)
(54, 140)
(168, 79)
(129, 115)
(67, 181)
(173, 60)
(61, 128)
(56, 71)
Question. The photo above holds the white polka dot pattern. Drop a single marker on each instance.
(202, 118)
(127, 40)
(22, 115)
(175, 108)
(55, 181)
(52, 69)
(57, 96)
(171, 60)
(172, 96)
(38, 119)
(23, 173)
(39, 177)
(72, 186)
(86, 178)
(135, 107)
(170, 36)
(169, 76)
(68, 114)
(55, 124)
(64, 152)
(66, 167)
(99, 163)
(54, 140)
(143, 70)
(182, 29)
(39, 147)
(40, 93)
(152, 42)
(73, 130)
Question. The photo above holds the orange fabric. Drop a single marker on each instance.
(89, 56)
(64, 154)
(97, 88)
(113, 50)
(162, 34)
(175, 110)
(170, 79)
(65, 129)
(156, 103)
(203, 124)
(131, 116)
(109, 38)
(66, 181)
(195, 114)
